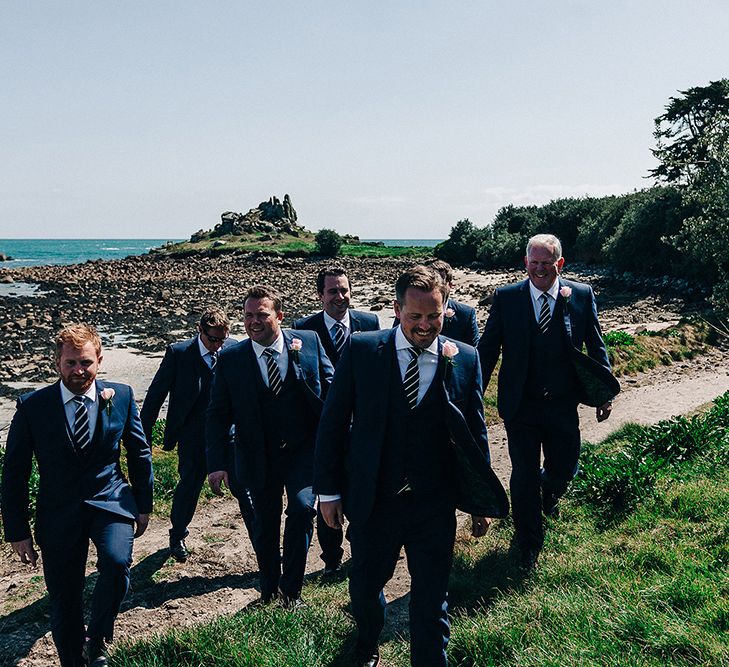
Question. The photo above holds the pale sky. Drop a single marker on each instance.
(384, 119)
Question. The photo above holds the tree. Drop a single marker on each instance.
(692, 146)
(328, 242)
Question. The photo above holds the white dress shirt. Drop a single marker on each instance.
(92, 407)
(281, 356)
(536, 294)
(206, 354)
(329, 322)
(427, 361)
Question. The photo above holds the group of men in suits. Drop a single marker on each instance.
(383, 441)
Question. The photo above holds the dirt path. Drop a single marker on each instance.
(220, 576)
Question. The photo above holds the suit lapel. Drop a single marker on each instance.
(562, 303)
(293, 366)
(59, 422)
(326, 340)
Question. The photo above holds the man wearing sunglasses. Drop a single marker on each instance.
(186, 374)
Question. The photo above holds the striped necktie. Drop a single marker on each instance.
(213, 360)
(81, 431)
(274, 375)
(544, 314)
(339, 337)
(411, 383)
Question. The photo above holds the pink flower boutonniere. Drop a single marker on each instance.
(107, 395)
(566, 292)
(449, 351)
(449, 312)
(294, 347)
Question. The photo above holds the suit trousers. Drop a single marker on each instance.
(64, 572)
(551, 427)
(192, 468)
(330, 541)
(291, 472)
(426, 527)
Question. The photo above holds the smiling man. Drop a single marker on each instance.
(535, 324)
(271, 387)
(75, 429)
(334, 325)
(385, 458)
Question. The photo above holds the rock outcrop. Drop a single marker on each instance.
(270, 217)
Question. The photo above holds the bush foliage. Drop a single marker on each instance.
(328, 242)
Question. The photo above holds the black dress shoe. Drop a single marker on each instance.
(367, 659)
(332, 568)
(550, 503)
(178, 550)
(93, 652)
(292, 603)
(528, 558)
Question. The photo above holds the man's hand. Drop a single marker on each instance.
(332, 513)
(215, 479)
(603, 412)
(25, 550)
(142, 522)
(479, 525)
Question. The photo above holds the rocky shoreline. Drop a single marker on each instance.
(149, 301)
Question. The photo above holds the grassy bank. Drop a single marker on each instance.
(283, 245)
(637, 578)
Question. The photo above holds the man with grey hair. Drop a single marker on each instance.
(537, 325)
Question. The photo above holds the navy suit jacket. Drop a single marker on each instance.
(352, 427)
(508, 329)
(180, 376)
(235, 400)
(461, 326)
(68, 481)
(358, 320)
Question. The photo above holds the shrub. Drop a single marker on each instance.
(618, 339)
(328, 242)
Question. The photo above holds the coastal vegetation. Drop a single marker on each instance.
(634, 572)
(678, 228)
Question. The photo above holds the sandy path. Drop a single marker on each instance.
(220, 576)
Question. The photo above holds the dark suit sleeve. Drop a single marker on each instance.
(489, 347)
(333, 433)
(472, 328)
(164, 380)
(16, 476)
(474, 411)
(139, 458)
(593, 336)
(218, 420)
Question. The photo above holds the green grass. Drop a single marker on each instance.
(285, 244)
(648, 587)
(633, 354)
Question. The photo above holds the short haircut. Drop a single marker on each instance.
(420, 277)
(444, 268)
(264, 292)
(334, 271)
(77, 335)
(546, 241)
(214, 318)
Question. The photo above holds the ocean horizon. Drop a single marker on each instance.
(40, 252)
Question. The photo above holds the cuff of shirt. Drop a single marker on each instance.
(329, 499)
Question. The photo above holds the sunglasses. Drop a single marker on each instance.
(215, 339)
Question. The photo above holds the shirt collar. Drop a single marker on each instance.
(329, 321)
(402, 343)
(203, 350)
(552, 291)
(67, 395)
(276, 346)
